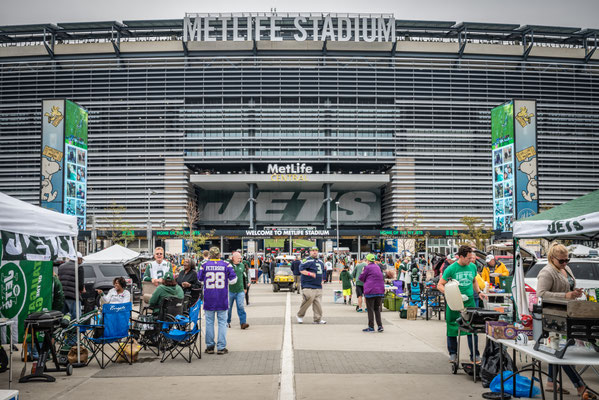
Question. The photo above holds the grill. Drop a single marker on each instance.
(473, 319)
(574, 319)
(44, 320)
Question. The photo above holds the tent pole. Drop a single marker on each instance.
(77, 307)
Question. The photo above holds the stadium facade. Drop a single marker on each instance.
(391, 117)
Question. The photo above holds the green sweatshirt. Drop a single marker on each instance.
(345, 278)
(163, 291)
(356, 274)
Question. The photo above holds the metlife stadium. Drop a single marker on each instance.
(286, 121)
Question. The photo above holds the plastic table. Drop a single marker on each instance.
(577, 356)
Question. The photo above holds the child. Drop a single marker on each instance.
(345, 278)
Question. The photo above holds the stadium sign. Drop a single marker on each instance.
(288, 232)
(324, 27)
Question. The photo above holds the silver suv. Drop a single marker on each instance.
(585, 270)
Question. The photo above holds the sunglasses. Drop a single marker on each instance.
(564, 261)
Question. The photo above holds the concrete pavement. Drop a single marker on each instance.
(306, 361)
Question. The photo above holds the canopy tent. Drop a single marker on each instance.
(112, 254)
(576, 219)
(19, 217)
(31, 238)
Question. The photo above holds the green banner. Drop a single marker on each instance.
(25, 287)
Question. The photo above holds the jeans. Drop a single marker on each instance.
(221, 316)
(69, 308)
(452, 345)
(238, 298)
(570, 371)
(265, 277)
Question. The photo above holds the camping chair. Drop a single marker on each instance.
(147, 326)
(113, 328)
(183, 334)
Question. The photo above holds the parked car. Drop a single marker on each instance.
(100, 276)
(585, 270)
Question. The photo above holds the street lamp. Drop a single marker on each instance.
(149, 223)
(334, 255)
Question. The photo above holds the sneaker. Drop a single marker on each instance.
(359, 310)
(209, 350)
(344, 301)
(321, 322)
(228, 324)
(222, 351)
(368, 330)
(245, 326)
(15, 348)
(477, 359)
(380, 329)
(299, 320)
(453, 358)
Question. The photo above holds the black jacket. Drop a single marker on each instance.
(190, 277)
(66, 275)
(295, 267)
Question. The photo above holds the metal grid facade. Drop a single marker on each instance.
(425, 120)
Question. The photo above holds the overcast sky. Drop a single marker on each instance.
(572, 13)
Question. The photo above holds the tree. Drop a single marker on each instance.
(409, 230)
(120, 230)
(194, 239)
(476, 233)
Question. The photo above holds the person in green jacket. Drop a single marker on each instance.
(359, 284)
(346, 280)
(168, 288)
(57, 294)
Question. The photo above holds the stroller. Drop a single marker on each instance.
(66, 337)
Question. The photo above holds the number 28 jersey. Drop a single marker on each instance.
(216, 275)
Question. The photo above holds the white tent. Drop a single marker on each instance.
(31, 233)
(112, 254)
(19, 217)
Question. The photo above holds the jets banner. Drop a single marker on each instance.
(25, 285)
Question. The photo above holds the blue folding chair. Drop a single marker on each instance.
(113, 328)
(183, 334)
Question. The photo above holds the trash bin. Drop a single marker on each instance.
(398, 301)
(392, 303)
(505, 283)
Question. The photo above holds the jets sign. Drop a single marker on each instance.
(305, 207)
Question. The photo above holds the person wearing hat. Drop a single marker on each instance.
(216, 276)
(499, 269)
(464, 272)
(374, 291)
(168, 288)
(311, 270)
(66, 275)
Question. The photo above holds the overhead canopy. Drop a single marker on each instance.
(112, 254)
(20, 217)
(576, 219)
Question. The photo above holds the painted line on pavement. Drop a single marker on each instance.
(286, 380)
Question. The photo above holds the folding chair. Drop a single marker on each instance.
(183, 334)
(113, 328)
(146, 328)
